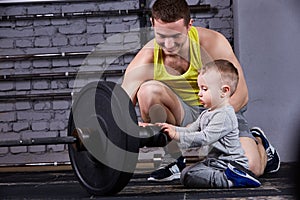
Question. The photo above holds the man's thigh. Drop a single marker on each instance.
(191, 113)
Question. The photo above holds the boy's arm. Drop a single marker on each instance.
(174, 131)
(220, 125)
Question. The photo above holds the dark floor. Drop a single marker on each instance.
(64, 185)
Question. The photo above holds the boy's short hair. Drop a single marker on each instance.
(171, 11)
(229, 73)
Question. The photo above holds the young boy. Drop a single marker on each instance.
(226, 164)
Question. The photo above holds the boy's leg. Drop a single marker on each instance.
(217, 174)
(240, 177)
(205, 174)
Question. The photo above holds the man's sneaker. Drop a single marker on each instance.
(169, 172)
(273, 162)
(241, 177)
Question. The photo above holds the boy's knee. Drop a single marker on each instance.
(189, 179)
(182, 176)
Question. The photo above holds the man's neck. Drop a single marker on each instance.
(179, 62)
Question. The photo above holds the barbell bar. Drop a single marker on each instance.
(150, 137)
(38, 141)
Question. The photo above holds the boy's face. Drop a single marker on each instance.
(170, 36)
(210, 93)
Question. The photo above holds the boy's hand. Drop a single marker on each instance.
(170, 130)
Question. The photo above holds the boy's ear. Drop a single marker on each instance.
(225, 90)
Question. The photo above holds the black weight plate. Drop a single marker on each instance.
(112, 148)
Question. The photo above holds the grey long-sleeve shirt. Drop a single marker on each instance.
(219, 130)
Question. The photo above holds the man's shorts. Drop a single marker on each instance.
(243, 124)
(191, 113)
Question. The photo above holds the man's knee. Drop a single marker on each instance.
(149, 89)
(150, 102)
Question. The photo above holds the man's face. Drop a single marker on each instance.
(170, 36)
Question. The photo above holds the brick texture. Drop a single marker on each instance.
(28, 118)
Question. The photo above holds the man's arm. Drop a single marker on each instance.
(138, 71)
(215, 46)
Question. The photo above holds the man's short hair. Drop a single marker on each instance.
(171, 11)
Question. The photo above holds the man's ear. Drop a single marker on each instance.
(152, 22)
(190, 24)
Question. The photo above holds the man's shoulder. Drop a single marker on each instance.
(205, 31)
(208, 34)
(150, 44)
(147, 52)
(212, 41)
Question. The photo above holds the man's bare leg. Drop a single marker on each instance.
(256, 154)
(158, 102)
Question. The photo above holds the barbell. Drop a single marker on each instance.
(103, 138)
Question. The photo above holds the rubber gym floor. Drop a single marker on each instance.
(62, 184)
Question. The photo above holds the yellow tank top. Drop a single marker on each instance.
(185, 85)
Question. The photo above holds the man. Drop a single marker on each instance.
(162, 78)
